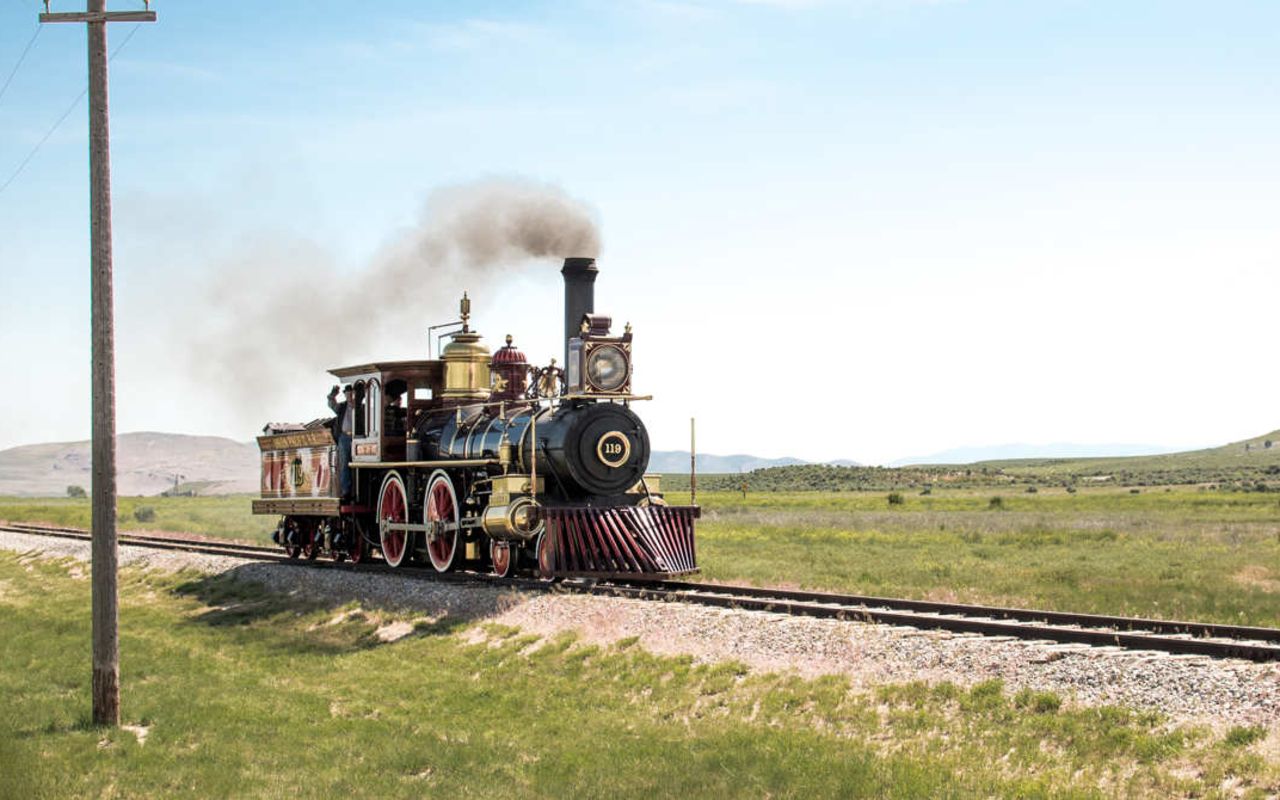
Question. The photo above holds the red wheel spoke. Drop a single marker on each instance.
(392, 509)
(441, 511)
(503, 556)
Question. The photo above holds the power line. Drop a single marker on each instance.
(74, 104)
(21, 58)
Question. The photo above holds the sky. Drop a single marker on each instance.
(859, 229)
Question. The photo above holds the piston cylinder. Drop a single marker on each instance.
(517, 520)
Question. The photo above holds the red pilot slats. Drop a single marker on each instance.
(637, 559)
(626, 542)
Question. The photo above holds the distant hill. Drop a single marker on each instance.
(146, 465)
(1259, 451)
(1248, 465)
(668, 461)
(844, 462)
(971, 455)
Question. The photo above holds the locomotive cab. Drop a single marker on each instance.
(389, 396)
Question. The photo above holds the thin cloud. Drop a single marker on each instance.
(467, 35)
(478, 33)
(679, 11)
(853, 5)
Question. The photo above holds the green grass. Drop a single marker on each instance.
(226, 516)
(250, 694)
(1173, 553)
(1248, 465)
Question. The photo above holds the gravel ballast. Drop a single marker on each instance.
(1187, 688)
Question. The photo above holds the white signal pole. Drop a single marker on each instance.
(106, 642)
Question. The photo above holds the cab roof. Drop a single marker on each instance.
(432, 371)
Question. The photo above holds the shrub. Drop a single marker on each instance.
(927, 490)
(1038, 702)
(986, 694)
(1242, 736)
(1032, 489)
(76, 491)
(1071, 490)
(1135, 491)
(996, 502)
(144, 514)
(896, 499)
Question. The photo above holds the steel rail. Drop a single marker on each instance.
(213, 547)
(1189, 638)
(1166, 626)
(1180, 644)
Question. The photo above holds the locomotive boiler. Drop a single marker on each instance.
(480, 460)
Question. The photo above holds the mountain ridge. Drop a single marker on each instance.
(149, 462)
(975, 454)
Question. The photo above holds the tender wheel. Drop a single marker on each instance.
(441, 508)
(504, 556)
(338, 533)
(358, 549)
(291, 537)
(393, 507)
(314, 542)
(358, 545)
(546, 557)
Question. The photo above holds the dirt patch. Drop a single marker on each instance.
(1256, 576)
(944, 594)
(356, 614)
(394, 631)
(140, 731)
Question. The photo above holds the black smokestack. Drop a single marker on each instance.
(579, 296)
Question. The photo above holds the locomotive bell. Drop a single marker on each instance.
(466, 362)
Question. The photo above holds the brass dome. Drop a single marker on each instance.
(466, 367)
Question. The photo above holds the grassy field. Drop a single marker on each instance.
(226, 517)
(1167, 552)
(1247, 465)
(1174, 554)
(246, 694)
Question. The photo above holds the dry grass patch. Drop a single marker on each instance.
(1256, 576)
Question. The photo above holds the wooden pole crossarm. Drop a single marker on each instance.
(99, 16)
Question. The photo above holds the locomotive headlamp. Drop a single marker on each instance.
(599, 364)
(607, 368)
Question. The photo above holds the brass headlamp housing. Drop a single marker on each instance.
(599, 364)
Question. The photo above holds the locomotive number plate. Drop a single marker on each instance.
(613, 449)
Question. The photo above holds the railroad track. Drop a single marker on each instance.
(206, 546)
(1128, 633)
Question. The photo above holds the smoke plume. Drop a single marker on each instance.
(282, 312)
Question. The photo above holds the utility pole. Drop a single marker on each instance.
(106, 642)
(693, 462)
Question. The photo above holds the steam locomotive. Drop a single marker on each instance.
(480, 461)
